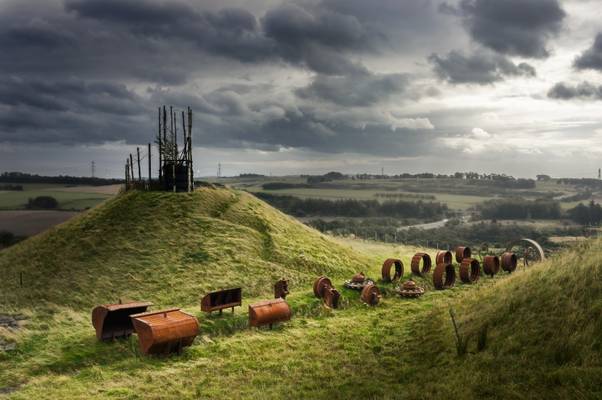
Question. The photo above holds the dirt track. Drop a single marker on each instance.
(30, 222)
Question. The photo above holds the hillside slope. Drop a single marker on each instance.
(167, 248)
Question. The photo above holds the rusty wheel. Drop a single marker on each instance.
(462, 252)
(531, 250)
(444, 276)
(426, 264)
(386, 269)
(470, 269)
(320, 284)
(491, 265)
(443, 257)
(509, 261)
(371, 295)
(331, 297)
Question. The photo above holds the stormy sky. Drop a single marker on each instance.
(508, 86)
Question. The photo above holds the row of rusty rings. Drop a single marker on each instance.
(324, 290)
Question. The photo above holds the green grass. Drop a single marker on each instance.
(543, 325)
(16, 200)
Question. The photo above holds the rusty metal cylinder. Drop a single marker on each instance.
(443, 257)
(491, 265)
(281, 288)
(444, 276)
(371, 295)
(320, 284)
(165, 331)
(470, 270)
(426, 264)
(269, 312)
(386, 269)
(462, 252)
(331, 297)
(509, 261)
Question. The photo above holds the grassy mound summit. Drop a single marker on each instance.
(534, 334)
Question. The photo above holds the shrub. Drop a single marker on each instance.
(42, 202)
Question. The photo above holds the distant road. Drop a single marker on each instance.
(429, 225)
(32, 222)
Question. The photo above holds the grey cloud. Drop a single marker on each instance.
(592, 57)
(583, 91)
(479, 67)
(513, 27)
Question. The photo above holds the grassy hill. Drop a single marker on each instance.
(541, 341)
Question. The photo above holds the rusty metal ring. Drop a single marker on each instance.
(320, 284)
(470, 269)
(442, 270)
(491, 265)
(530, 244)
(371, 295)
(443, 257)
(509, 261)
(426, 264)
(462, 252)
(331, 297)
(386, 269)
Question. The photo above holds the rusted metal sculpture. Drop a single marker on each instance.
(166, 331)
(444, 276)
(509, 261)
(462, 252)
(281, 289)
(269, 312)
(358, 282)
(426, 264)
(410, 289)
(470, 270)
(220, 299)
(324, 290)
(371, 294)
(491, 265)
(443, 257)
(386, 269)
(112, 321)
(533, 251)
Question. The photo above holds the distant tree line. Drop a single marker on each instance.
(251, 175)
(583, 182)
(517, 208)
(17, 188)
(42, 203)
(586, 215)
(355, 208)
(21, 177)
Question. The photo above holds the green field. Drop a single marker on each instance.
(542, 329)
(68, 197)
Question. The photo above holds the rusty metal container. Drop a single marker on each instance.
(331, 297)
(358, 278)
(444, 276)
(220, 299)
(320, 285)
(113, 321)
(491, 265)
(426, 264)
(166, 331)
(470, 270)
(509, 261)
(281, 289)
(443, 257)
(386, 269)
(371, 295)
(462, 252)
(269, 312)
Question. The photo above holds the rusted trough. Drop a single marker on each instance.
(444, 276)
(220, 299)
(509, 261)
(371, 294)
(443, 257)
(324, 290)
(269, 312)
(113, 321)
(470, 270)
(281, 289)
(386, 269)
(426, 264)
(462, 252)
(166, 331)
(491, 265)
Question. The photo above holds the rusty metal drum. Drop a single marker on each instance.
(386, 269)
(470, 270)
(444, 276)
(269, 312)
(443, 257)
(423, 258)
(371, 295)
(491, 265)
(165, 331)
(462, 252)
(320, 284)
(509, 261)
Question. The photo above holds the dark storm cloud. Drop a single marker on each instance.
(362, 89)
(513, 27)
(592, 57)
(478, 67)
(583, 91)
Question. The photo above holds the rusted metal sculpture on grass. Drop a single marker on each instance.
(371, 295)
(462, 252)
(443, 257)
(470, 270)
(166, 331)
(444, 276)
(281, 289)
(509, 261)
(324, 290)
(112, 321)
(386, 269)
(491, 265)
(269, 312)
(358, 282)
(409, 289)
(531, 250)
(221, 299)
(419, 258)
